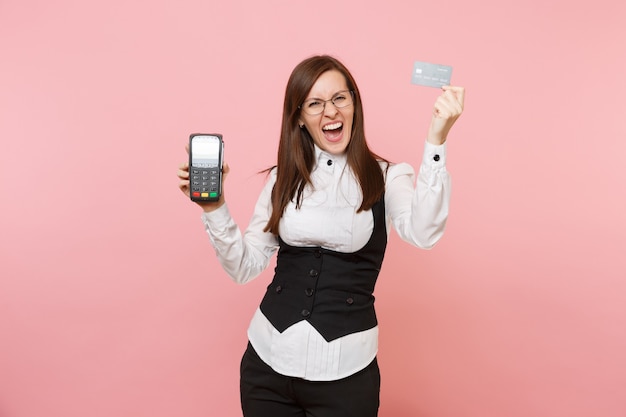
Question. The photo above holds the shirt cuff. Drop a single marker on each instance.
(216, 219)
(434, 156)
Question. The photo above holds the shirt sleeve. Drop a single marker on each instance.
(418, 209)
(243, 256)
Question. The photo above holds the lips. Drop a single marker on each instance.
(332, 131)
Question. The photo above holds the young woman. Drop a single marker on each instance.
(326, 208)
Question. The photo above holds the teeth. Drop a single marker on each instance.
(333, 126)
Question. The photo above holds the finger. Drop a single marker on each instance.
(452, 102)
(183, 185)
(443, 109)
(187, 147)
(458, 91)
(182, 174)
(184, 166)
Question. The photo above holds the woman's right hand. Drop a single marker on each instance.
(183, 185)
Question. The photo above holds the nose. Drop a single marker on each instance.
(329, 108)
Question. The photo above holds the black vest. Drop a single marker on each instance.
(331, 290)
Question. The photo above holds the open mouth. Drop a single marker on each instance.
(332, 132)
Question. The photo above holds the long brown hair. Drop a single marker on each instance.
(296, 153)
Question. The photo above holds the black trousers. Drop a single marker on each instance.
(265, 393)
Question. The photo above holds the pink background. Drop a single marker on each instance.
(111, 300)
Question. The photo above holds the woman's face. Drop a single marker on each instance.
(332, 128)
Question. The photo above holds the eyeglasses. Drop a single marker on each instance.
(315, 106)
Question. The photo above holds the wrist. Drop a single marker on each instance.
(209, 207)
(435, 140)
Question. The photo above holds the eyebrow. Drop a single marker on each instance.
(319, 98)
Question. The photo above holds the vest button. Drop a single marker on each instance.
(279, 289)
(317, 253)
(308, 292)
(313, 273)
(305, 313)
(350, 301)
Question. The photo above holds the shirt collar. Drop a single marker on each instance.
(323, 158)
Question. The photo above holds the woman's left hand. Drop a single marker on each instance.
(448, 108)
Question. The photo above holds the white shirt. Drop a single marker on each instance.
(328, 218)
